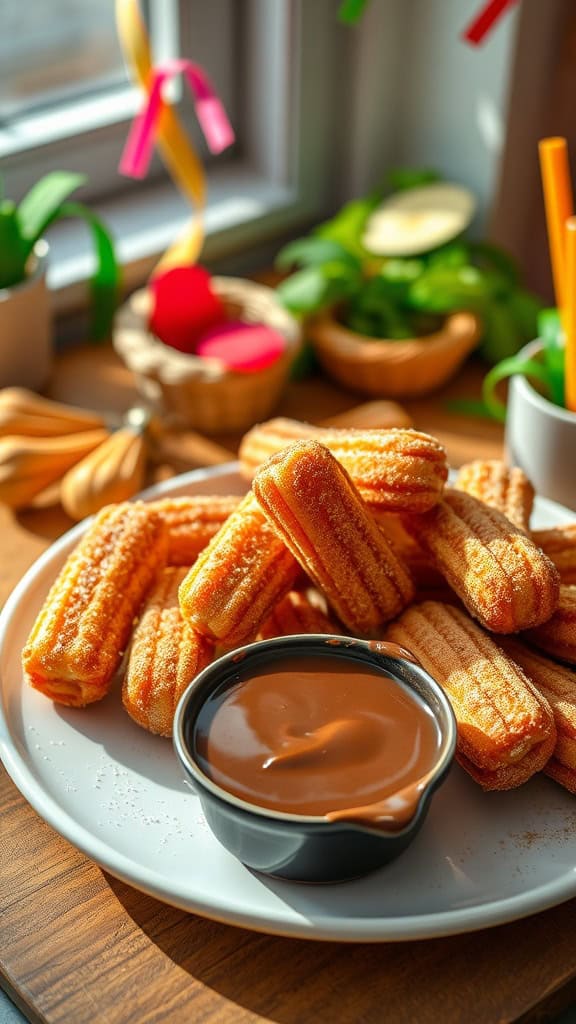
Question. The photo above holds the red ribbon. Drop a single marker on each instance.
(485, 20)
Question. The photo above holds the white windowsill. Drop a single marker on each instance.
(243, 209)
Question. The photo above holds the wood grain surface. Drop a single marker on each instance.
(76, 945)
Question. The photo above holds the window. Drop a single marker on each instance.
(66, 102)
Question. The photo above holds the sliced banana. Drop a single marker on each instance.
(419, 219)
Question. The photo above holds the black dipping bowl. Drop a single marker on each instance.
(292, 846)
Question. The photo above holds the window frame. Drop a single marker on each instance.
(274, 183)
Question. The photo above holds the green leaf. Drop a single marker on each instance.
(526, 308)
(451, 256)
(313, 251)
(12, 249)
(399, 179)
(508, 368)
(350, 11)
(314, 288)
(468, 407)
(374, 311)
(501, 337)
(492, 257)
(445, 290)
(105, 282)
(42, 204)
(347, 226)
(549, 329)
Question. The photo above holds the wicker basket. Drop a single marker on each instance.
(203, 394)
(393, 369)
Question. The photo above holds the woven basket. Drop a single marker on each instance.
(393, 369)
(203, 394)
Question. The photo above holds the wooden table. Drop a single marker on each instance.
(79, 946)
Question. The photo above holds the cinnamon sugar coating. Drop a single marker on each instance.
(403, 470)
(80, 635)
(505, 581)
(313, 505)
(164, 657)
(238, 578)
(506, 730)
(504, 488)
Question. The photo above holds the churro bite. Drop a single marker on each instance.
(239, 578)
(504, 488)
(311, 502)
(164, 657)
(557, 684)
(559, 543)
(402, 470)
(506, 730)
(299, 612)
(84, 626)
(557, 635)
(505, 581)
(191, 522)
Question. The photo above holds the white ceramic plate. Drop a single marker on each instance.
(118, 794)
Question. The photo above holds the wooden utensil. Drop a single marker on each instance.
(30, 464)
(113, 472)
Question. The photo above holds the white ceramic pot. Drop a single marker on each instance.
(541, 438)
(26, 328)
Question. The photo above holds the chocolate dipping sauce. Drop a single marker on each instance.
(320, 736)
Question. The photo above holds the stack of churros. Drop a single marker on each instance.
(344, 532)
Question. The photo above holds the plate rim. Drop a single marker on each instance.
(323, 927)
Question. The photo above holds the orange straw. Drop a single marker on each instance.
(558, 204)
(570, 317)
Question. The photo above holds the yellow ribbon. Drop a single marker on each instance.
(177, 153)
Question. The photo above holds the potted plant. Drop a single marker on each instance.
(395, 297)
(25, 319)
(540, 431)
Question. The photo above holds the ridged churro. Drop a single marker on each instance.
(558, 685)
(313, 505)
(191, 522)
(297, 613)
(238, 578)
(164, 657)
(557, 636)
(506, 731)
(420, 565)
(502, 578)
(79, 637)
(504, 488)
(559, 543)
(402, 470)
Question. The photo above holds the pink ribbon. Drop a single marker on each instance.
(210, 112)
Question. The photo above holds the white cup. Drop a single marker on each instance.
(541, 438)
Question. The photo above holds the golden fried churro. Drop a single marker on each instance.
(502, 578)
(558, 685)
(80, 634)
(297, 613)
(506, 489)
(312, 503)
(559, 543)
(238, 579)
(420, 565)
(191, 522)
(505, 728)
(403, 470)
(557, 636)
(165, 656)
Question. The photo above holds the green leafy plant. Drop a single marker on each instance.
(396, 298)
(23, 225)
